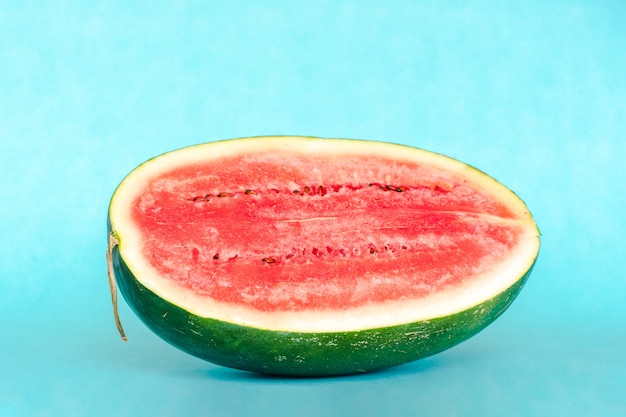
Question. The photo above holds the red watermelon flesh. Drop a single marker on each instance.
(319, 233)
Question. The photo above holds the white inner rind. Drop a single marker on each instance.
(472, 292)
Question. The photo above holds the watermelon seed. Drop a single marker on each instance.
(269, 260)
(199, 199)
(313, 190)
(216, 256)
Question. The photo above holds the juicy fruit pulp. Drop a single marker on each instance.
(316, 236)
(294, 234)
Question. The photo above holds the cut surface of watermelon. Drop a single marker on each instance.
(294, 234)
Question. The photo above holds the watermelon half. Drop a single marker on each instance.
(310, 257)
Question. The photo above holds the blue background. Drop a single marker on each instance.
(532, 92)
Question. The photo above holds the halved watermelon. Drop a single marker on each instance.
(307, 256)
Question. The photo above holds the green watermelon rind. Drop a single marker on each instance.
(292, 353)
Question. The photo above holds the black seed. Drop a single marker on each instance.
(216, 256)
(250, 192)
(399, 189)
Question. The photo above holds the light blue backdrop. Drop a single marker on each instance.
(532, 92)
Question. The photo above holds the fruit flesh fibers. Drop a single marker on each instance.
(293, 234)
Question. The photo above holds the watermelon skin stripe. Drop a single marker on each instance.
(305, 354)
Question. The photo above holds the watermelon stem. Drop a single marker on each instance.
(113, 242)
